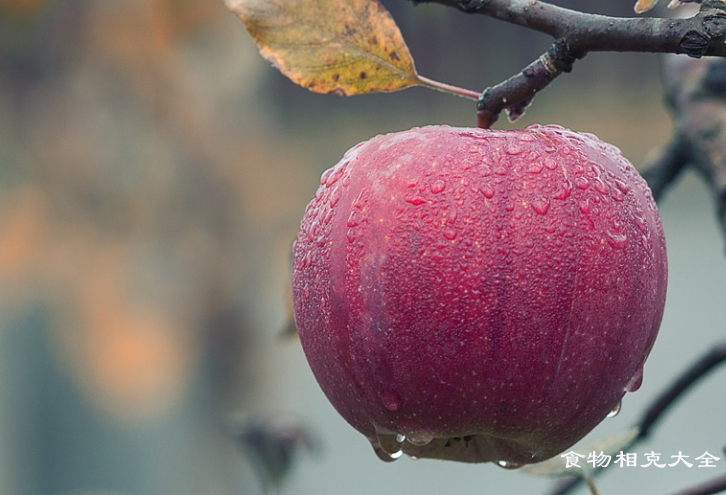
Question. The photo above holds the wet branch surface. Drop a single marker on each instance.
(578, 33)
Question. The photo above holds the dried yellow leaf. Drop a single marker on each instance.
(343, 47)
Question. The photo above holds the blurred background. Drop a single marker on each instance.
(153, 171)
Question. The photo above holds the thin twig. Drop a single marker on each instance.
(566, 485)
(698, 370)
(716, 485)
(665, 166)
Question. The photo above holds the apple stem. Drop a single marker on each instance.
(448, 88)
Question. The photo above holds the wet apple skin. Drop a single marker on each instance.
(498, 287)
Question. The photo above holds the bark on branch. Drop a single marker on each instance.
(578, 33)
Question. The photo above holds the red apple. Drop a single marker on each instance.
(479, 295)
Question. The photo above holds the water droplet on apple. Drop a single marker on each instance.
(636, 381)
(487, 191)
(540, 206)
(324, 177)
(640, 221)
(450, 234)
(582, 183)
(415, 200)
(535, 167)
(550, 163)
(644, 241)
(352, 220)
(452, 214)
(600, 186)
(563, 191)
(312, 231)
(513, 149)
(328, 217)
(585, 207)
(388, 446)
(391, 400)
(617, 240)
(624, 188)
(383, 455)
(507, 464)
(437, 186)
(470, 133)
(306, 261)
(615, 410)
(331, 176)
(420, 439)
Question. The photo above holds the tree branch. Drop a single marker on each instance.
(516, 93)
(696, 94)
(578, 33)
(716, 485)
(698, 36)
(698, 370)
(665, 166)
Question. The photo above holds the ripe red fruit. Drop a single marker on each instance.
(479, 295)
